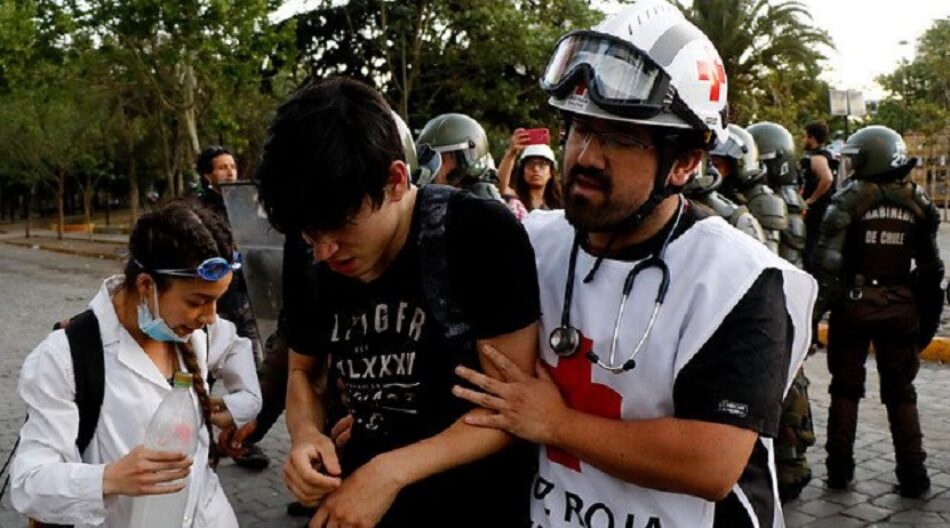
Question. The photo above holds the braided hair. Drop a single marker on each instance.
(182, 234)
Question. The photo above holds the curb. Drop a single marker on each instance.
(66, 251)
(938, 350)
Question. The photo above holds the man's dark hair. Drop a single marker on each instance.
(205, 163)
(819, 131)
(328, 149)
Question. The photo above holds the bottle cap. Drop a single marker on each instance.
(183, 380)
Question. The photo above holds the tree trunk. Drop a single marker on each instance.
(28, 202)
(191, 124)
(133, 191)
(60, 196)
(87, 195)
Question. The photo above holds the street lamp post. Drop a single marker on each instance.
(846, 103)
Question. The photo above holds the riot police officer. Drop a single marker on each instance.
(872, 231)
(701, 189)
(743, 181)
(777, 153)
(466, 160)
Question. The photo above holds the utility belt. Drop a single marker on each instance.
(858, 283)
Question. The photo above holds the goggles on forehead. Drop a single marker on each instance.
(212, 269)
(620, 78)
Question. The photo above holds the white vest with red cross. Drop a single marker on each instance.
(711, 266)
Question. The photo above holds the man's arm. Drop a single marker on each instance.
(662, 454)
(821, 169)
(312, 469)
(698, 458)
(365, 496)
(702, 449)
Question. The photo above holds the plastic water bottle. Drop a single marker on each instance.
(173, 428)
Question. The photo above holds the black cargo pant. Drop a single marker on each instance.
(886, 317)
(273, 378)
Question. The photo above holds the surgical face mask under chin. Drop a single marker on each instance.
(153, 325)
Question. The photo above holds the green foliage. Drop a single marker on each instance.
(149, 81)
(479, 57)
(919, 90)
(772, 54)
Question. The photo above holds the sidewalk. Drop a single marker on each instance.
(97, 246)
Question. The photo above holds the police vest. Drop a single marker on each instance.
(711, 267)
(881, 243)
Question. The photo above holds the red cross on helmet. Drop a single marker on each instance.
(647, 65)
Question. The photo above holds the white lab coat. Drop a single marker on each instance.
(53, 482)
(231, 360)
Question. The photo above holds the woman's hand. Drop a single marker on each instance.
(519, 140)
(220, 415)
(146, 472)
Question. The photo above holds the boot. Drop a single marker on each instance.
(908, 449)
(842, 424)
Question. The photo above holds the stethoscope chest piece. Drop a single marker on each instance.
(565, 340)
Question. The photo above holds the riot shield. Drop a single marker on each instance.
(262, 249)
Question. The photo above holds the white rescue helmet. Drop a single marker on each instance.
(648, 65)
(538, 151)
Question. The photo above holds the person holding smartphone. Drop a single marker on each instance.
(531, 182)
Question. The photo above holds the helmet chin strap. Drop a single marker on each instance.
(661, 191)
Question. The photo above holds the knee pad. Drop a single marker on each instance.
(846, 391)
(891, 395)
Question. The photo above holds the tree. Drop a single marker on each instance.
(183, 67)
(919, 90)
(772, 54)
(479, 57)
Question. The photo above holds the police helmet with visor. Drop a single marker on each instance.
(742, 153)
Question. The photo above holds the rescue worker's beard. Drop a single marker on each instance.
(588, 216)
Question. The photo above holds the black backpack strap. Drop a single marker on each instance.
(89, 373)
(434, 262)
(85, 347)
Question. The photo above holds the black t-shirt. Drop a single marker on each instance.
(811, 180)
(390, 357)
(738, 376)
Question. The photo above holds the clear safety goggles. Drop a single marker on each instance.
(620, 78)
(212, 269)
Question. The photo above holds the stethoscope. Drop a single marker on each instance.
(565, 340)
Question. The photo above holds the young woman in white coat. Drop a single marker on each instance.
(150, 320)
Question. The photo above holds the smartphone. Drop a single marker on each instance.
(538, 136)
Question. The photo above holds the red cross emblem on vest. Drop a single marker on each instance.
(573, 377)
(712, 70)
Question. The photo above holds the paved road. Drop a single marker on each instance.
(39, 288)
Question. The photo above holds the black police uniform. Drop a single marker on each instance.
(873, 231)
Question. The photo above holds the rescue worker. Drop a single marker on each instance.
(777, 153)
(466, 162)
(670, 336)
(702, 189)
(872, 231)
(738, 159)
(743, 181)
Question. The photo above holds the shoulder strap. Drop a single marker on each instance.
(433, 260)
(85, 347)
